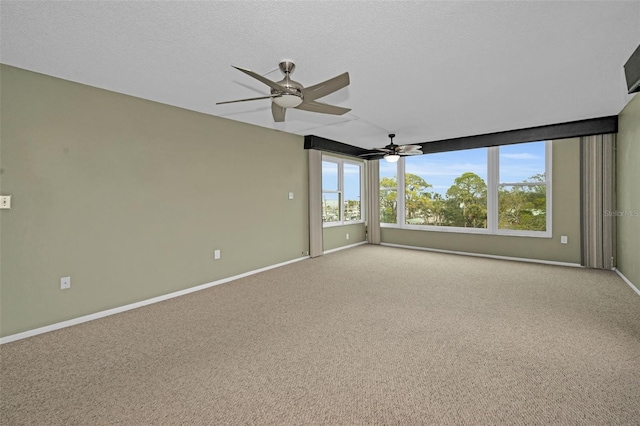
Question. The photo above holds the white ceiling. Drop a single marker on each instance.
(424, 70)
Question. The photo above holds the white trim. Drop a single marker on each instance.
(401, 213)
(490, 256)
(493, 183)
(345, 223)
(341, 162)
(462, 230)
(626, 280)
(120, 309)
(345, 247)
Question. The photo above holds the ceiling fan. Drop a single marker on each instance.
(287, 93)
(393, 152)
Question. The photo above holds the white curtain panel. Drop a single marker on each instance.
(598, 200)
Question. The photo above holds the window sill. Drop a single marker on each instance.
(480, 231)
(335, 224)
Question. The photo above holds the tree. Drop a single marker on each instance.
(417, 199)
(523, 207)
(388, 200)
(466, 203)
(438, 210)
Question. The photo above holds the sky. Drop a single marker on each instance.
(517, 163)
(351, 179)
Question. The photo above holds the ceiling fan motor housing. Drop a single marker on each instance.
(287, 100)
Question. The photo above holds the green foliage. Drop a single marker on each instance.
(388, 200)
(465, 203)
(523, 207)
(417, 199)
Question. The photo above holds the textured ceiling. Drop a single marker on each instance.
(424, 70)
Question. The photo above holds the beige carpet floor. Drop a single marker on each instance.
(368, 335)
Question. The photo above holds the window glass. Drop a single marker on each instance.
(331, 207)
(447, 189)
(329, 176)
(352, 192)
(522, 162)
(501, 190)
(523, 206)
(388, 192)
(341, 190)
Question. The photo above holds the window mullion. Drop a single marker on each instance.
(363, 192)
(341, 189)
(548, 183)
(493, 183)
(400, 195)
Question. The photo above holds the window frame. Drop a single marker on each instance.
(493, 220)
(493, 185)
(340, 191)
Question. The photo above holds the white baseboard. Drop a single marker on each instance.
(345, 247)
(626, 280)
(108, 312)
(490, 256)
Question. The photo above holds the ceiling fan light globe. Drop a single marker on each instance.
(288, 101)
(392, 158)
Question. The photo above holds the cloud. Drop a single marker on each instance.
(432, 169)
(521, 156)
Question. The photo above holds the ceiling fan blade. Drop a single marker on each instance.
(272, 84)
(314, 106)
(278, 112)
(370, 154)
(248, 99)
(409, 148)
(326, 87)
(412, 153)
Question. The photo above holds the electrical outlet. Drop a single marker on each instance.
(347, 236)
(216, 254)
(65, 282)
(564, 239)
(5, 201)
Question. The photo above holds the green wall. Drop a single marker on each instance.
(131, 198)
(565, 221)
(628, 191)
(336, 236)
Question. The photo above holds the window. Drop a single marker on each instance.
(522, 188)
(388, 192)
(447, 189)
(341, 191)
(499, 190)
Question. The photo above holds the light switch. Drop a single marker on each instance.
(564, 239)
(5, 201)
(291, 195)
